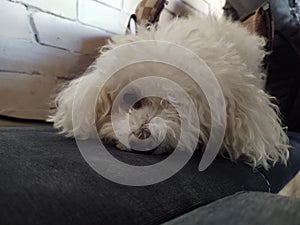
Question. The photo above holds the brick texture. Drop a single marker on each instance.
(27, 57)
(65, 8)
(18, 27)
(68, 34)
(102, 16)
(46, 42)
(114, 3)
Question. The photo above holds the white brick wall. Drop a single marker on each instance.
(67, 34)
(18, 26)
(102, 16)
(130, 5)
(114, 3)
(28, 57)
(65, 8)
(44, 42)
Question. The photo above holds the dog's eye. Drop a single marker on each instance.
(138, 104)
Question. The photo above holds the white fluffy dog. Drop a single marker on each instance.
(253, 132)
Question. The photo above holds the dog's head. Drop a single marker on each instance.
(130, 118)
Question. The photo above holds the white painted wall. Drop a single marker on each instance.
(45, 42)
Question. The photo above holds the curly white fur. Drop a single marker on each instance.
(253, 131)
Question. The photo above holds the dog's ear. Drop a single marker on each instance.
(80, 105)
(249, 47)
(253, 128)
(103, 107)
(62, 117)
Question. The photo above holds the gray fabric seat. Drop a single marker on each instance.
(44, 180)
(245, 208)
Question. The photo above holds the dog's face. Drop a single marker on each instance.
(140, 123)
(154, 124)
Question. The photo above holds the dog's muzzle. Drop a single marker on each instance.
(142, 140)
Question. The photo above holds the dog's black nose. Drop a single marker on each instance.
(141, 139)
(142, 133)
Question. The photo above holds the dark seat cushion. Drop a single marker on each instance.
(44, 180)
(246, 209)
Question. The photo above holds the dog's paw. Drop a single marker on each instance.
(122, 147)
